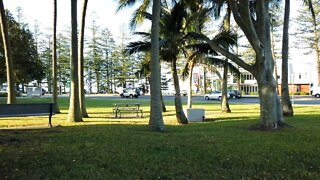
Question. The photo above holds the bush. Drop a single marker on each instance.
(4, 94)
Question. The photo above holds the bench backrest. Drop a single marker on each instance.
(7, 110)
(126, 105)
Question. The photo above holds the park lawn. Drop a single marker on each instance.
(103, 147)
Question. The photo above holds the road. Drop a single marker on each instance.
(302, 100)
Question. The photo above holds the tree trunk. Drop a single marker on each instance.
(285, 98)
(191, 66)
(54, 58)
(156, 119)
(274, 58)
(81, 62)
(98, 80)
(224, 101)
(164, 109)
(8, 56)
(271, 116)
(74, 114)
(270, 108)
(318, 57)
(205, 80)
(181, 117)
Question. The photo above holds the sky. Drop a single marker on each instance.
(103, 11)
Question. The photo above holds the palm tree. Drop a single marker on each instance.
(81, 60)
(203, 54)
(173, 30)
(173, 38)
(8, 56)
(224, 103)
(199, 17)
(285, 98)
(139, 14)
(54, 57)
(74, 107)
(156, 119)
(145, 71)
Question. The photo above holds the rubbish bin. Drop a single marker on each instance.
(195, 114)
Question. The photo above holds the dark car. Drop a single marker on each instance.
(234, 94)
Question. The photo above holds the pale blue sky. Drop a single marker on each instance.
(41, 10)
(106, 16)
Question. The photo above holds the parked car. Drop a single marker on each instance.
(316, 92)
(130, 93)
(183, 92)
(234, 94)
(215, 95)
(43, 92)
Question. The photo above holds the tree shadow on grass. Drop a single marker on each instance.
(220, 119)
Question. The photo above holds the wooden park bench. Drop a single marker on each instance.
(134, 108)
(32, 109)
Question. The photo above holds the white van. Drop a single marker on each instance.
(316, 92)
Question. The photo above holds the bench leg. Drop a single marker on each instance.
(118, 113)
(50, 120)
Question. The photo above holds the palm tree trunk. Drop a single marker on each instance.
(191, 66)
(224, 102)
(156, 119)
(205, 81)
(181, 117)
(54, 58)
(275, 62)
(8, 56)
(317, 55)
(285, 98)
(74, 114)
(164, 109)
(81, 62)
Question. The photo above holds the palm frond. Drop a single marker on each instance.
(144, 68)
(203, 48)
(138, 18)
(185, 71)
(221, 62)
(145, 35)
(215, 61)
(226, 38)
(138, 46)
(125, 3)
(217, 6)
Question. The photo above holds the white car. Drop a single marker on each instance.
(215, 95)
(130, 93)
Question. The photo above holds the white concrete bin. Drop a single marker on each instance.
(29, 92)
(195, 114)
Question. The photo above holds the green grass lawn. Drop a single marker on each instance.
(104, 147)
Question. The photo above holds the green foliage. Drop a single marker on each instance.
(307, 31)
(26, 63)
(4, 94)
(102, 147)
